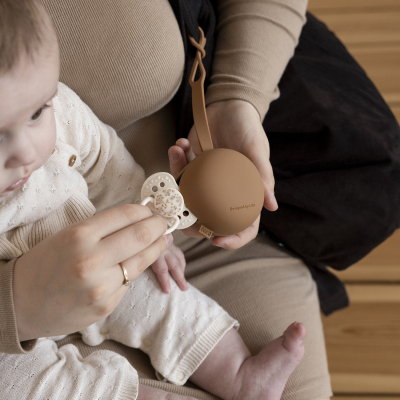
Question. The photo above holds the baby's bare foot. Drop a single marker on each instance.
(264, 376)
(149, 393)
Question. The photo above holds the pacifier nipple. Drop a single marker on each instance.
(168, 202)
(161, 192)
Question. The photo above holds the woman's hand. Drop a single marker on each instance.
(72, 279)
(234, 124)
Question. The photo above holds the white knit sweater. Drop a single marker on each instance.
(104, 174)
(177, 330)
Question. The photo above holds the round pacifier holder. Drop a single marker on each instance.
(221, 190)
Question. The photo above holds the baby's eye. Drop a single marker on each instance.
(37, 114)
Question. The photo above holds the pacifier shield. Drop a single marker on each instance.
(168, 202)
(154, 185)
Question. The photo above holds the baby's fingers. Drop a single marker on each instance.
(239, 239)
(185, 145)
(177, 160)
(160, 268)
(176, 267)
(180, 155)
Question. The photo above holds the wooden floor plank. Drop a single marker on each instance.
(387, 253)
(362, 341)
(381, 265)
(314, 5)
(370, 273)
(377, 294)
(364, 27)
(365, 383)
(374, 41)
(396, 111)
(382, 65)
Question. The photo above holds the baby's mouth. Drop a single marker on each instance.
(18, 184)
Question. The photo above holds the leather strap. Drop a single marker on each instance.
(191, 14)
(198, 102)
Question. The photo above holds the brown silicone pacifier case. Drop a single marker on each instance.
(221, 187)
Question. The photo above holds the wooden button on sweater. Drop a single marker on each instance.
(147, 342)
(72, 160)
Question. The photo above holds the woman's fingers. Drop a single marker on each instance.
(107, 222)
(139, 262)
(238, 240)
(133, 239)
(265, 168)
(257, 150)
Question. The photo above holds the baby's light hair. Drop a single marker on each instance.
(21, 30)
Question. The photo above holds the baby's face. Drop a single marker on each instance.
(27, 124)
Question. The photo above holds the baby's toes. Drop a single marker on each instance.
(293, 337)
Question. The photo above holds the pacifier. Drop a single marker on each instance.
(162, 195)
(221, 190)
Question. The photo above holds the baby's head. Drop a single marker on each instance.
(29, 71)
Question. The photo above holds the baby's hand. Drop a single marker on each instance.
(173, 262)
(179, 156)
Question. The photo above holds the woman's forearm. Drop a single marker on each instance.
(254, 42)
(10, 340)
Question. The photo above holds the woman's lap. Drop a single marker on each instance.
(265, 289)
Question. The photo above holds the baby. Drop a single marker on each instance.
(60, 165)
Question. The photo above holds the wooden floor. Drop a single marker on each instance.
(370, 29)
(363, 341)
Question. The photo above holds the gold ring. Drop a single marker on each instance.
(126, 281)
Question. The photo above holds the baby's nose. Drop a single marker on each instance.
(22, 153)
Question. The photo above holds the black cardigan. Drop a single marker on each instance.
(335, 151)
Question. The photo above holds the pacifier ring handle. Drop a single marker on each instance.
(176, 223)
(198, 101)
(173, 227)
(146, 200)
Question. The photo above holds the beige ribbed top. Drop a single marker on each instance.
(125, 59)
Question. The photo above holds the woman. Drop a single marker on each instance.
(136, 59)
(126, 59)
